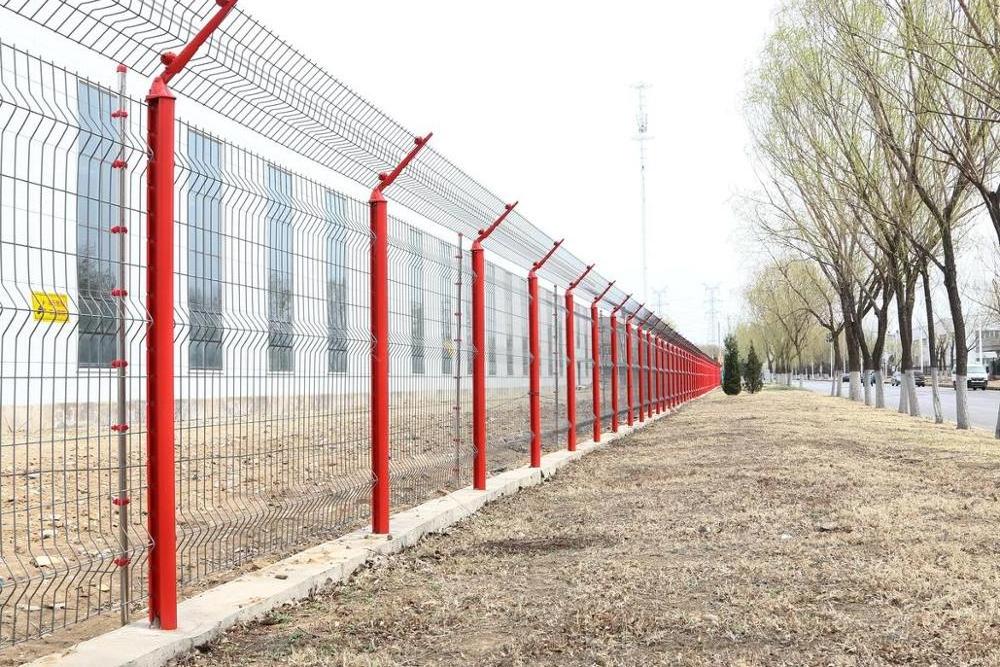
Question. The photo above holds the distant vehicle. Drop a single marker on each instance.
(976, 376)
(918, 378)
(847, 378)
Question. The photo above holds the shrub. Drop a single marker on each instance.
(731, 367)
(753, 378)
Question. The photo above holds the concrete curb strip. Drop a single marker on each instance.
(207, 615)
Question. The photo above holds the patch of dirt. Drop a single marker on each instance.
(784, 528)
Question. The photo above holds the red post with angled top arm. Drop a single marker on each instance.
(535, 367)
(379, 276)
(479, 344)
(641, 348)
(595, 352)
(160, 331)
(614, 364)
(571, 361)
(629, 389)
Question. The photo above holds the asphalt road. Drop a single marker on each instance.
(982, 404)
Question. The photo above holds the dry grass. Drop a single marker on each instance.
(782, 528)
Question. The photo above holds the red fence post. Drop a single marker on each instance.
(379, 275)
(658, 375)
(571, 362)
(649, 374)
(160, 358)
(629, 395)
(614, 363)
(662, 376)
(535, 366)
(479, 344)
(642, 372)
(160, 330)
(595, 355)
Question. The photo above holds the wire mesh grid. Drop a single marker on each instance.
(72, 334)
(430, 450)
(272, 358)
(508, 426)
(272, 318)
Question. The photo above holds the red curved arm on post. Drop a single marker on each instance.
(176, 62)
(555, 246)
(484, 233)
(385, 180)
(636, 312)
(572, 285)
(599, 297)
(621, 305)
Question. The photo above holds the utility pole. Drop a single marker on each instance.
(661, 303)
(712, 312)
(642, 136)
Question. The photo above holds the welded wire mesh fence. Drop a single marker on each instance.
(272, 313)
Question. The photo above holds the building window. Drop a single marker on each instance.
(336, 283)
(447, 344)
(416, 301)
(280, 285)
(491, 319)
(204, 279)
(96, 212)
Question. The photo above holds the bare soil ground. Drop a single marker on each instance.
(781, 528)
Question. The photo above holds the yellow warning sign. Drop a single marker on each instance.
(50, 306)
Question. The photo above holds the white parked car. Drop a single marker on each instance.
(976, 378)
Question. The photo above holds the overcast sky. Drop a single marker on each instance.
(534, 100)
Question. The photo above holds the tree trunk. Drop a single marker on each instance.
(853, 362)
(932, 347)
(958, 321)
(835, 372)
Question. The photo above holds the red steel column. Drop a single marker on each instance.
(614, 364)
(379, 270)
(378, 210)
(663, 374)
(595, 354)
(595, 369)
(535, 366)
(160, 358)
(629, 396)
(659, 375)
(649, 374)
(479, 344)
(571, 362)
(642, 374)
(161, 519)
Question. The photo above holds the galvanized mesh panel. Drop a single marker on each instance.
(272, 358)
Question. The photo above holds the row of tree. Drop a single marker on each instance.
(875, 125)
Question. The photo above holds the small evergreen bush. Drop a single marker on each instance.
(753, 378)
(731, 367)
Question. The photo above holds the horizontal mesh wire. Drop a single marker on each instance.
(604, 328)
(252, 76)
(622, 371)
(272, 318)
(508, 424)
(584, 379)
(552, 393)
(430, 452)
(272, 358)
(65, 457)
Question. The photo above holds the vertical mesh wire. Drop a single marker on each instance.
(63, 307)
(425, 458)
(551, 333)
(508, 426)
(272, 358)
(273, 336)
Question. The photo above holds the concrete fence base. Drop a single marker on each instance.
(204, 617)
